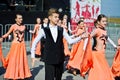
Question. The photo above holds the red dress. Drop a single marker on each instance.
(16, 62)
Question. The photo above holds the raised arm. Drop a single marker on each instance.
(33, 31)
(69, 39)
(111, 42)
(73, 30)
(36, 40)
(9, 31)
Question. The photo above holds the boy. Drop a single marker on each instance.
(54, 49)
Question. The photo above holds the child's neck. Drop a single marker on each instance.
(19, 24)
(52, 24)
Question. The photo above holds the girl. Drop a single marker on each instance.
(77, 50)
(99, 70)
(34, 34)
(16, 63)
(66, 48)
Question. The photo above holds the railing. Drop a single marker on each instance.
(1, 28)
(113, 33)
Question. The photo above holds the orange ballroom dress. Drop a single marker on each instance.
(16, 63)
(100, 69)
(77, 53)
(115, 68)
(116, 64)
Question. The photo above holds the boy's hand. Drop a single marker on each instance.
(1, 39)
(30, 31)
(118, 47)
(85, 35)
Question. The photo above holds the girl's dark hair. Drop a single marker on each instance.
(17, 15)
(80, 21)
(95, 23)
(95, 43)
(100, 17)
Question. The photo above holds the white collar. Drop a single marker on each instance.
(51, 26)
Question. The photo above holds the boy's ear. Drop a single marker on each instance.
(49, 17)
(15, 19)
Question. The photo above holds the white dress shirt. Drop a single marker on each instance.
(54, 33)
(44, 25)
(112, 43)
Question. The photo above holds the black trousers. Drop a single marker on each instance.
(53, 71)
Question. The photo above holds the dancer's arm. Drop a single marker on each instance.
(9, 31)
(69, 39)
(111, 42)
(36, 40)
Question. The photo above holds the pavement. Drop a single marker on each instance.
(38, 72)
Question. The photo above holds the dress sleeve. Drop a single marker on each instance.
(111, 42)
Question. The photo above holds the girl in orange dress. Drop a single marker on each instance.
(100, 69)
(77, 50)
(1, 56)
(16, 62)
(34, 34)
(115, 68)
(66, 48)
(0, 51)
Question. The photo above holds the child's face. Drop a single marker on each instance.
(81, 25)
(19, 19)
(54, 18)
(38, 20)
(64, 21)
(45, 20)
(103, 22)
(59, 23)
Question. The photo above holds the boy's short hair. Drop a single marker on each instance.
(52, 10)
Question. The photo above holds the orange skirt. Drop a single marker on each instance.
(116, 64)
(100, 69)
(16, 63)
(0, 52)
(66, 49)
(87, 61)
(74, 50)
(77, 56)
(1, 55)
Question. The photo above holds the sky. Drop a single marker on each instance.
(110, 8)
